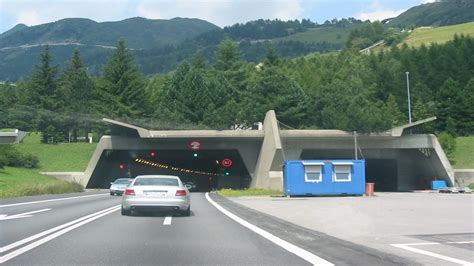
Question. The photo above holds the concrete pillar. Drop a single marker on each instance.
(268, 172)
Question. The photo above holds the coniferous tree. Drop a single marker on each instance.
(44, 94)
(78, 89)
(395, 117)
(123, 84)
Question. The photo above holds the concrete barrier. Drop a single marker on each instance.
(464, 177)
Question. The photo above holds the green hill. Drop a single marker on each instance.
(464, 155)
(438, 35)
(140, 33)
(333, 35)
(440, 13)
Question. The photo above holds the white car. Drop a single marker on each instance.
(156, 193)
(118, 186)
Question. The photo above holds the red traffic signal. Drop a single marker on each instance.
(152, 154)
(122, 166)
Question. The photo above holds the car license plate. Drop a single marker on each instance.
(155, 193)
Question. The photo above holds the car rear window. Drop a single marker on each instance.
(159, 181)
(122, 181)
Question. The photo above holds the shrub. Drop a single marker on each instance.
(9, 156)
(448, 142)
(50, 188)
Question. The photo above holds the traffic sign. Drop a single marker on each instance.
(194, 145)
(226, 162)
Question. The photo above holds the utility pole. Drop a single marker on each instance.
(355, 144)
(408, 92)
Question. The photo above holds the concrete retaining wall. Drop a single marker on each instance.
(68, 176)
(464, 177)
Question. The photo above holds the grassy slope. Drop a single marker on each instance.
(438, 35)
(464, 154)
(61, 157)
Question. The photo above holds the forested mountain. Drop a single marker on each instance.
(439, 13)
(160, 46)
(140, 33)
(347, 90)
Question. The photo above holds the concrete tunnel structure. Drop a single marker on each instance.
(396, 160)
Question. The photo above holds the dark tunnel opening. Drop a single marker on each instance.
(202, 170)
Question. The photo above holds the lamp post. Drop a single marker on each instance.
(408, 91)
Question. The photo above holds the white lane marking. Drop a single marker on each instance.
(432, 254)
(34, 237)
(309, 257)
(41, 201)
(419, 244)
(43, 240)
(21, 215)
(167, 220)
(461, 242)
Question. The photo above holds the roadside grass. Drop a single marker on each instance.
(58, 157)
(67, 157)
(17, 182)
(248, 192)
(471, 186)
(464, 155)
(438, 35)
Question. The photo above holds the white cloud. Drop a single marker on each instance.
(29, 18)
(221, 12)
(33, 12)
(377, 11)
(379, 14)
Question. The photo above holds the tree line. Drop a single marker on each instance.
(345, 90)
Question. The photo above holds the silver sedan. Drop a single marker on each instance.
(156, 193)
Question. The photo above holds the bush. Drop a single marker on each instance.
(9, 156)
(448, 142)
(3, 161)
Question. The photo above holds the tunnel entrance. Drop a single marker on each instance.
(202, 170)
(382, 172)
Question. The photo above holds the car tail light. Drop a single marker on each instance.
(180, 192)
(130, 192)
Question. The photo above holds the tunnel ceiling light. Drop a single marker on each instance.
(178, 169)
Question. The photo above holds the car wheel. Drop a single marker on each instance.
(111, 193)
(187, 212)
(124, 212)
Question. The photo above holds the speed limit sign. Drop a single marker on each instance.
(226, 162)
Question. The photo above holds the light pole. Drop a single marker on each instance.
(409, 104)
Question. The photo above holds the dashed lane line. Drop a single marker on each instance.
(167, 220)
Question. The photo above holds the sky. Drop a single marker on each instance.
(220, 12)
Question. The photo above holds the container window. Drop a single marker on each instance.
(313, 173)
(342, 173)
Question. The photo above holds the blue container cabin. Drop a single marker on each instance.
(324, 177)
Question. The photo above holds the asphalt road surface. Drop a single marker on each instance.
(88, 229)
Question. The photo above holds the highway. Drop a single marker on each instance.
(88, 229)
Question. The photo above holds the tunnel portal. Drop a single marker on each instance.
(203, 170)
